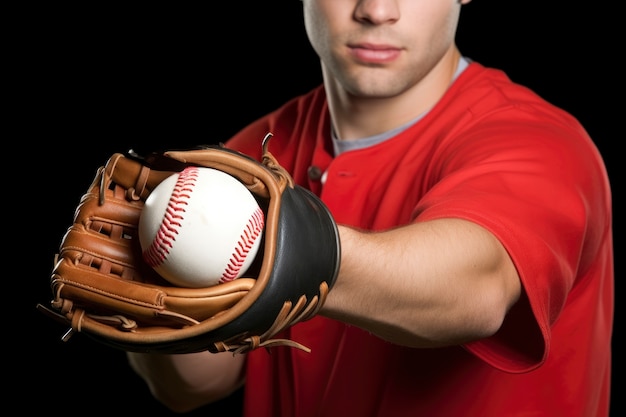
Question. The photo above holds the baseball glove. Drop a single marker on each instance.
(103, 288)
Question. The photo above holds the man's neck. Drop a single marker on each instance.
(354, 117)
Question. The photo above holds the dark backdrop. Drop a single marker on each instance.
(93, 81)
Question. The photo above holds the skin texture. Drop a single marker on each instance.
(383, 62)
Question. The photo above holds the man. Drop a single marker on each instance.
(475, 225)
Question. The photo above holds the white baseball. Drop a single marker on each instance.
(200, 227)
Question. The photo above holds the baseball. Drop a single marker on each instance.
(200, 227)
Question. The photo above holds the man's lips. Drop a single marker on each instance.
(374, 54)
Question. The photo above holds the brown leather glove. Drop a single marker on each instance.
(101, 286)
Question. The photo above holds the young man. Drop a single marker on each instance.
(475, 226)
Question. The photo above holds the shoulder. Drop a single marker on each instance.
(488, 122)
(487, 92)
(289, 122)
(485, 105)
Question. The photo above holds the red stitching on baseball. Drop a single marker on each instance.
(158, 250)
(251, 232)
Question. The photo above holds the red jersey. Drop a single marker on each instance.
(492, 152)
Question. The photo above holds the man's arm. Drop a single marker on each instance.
(428, 284)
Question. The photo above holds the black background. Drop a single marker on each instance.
(89, 81)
